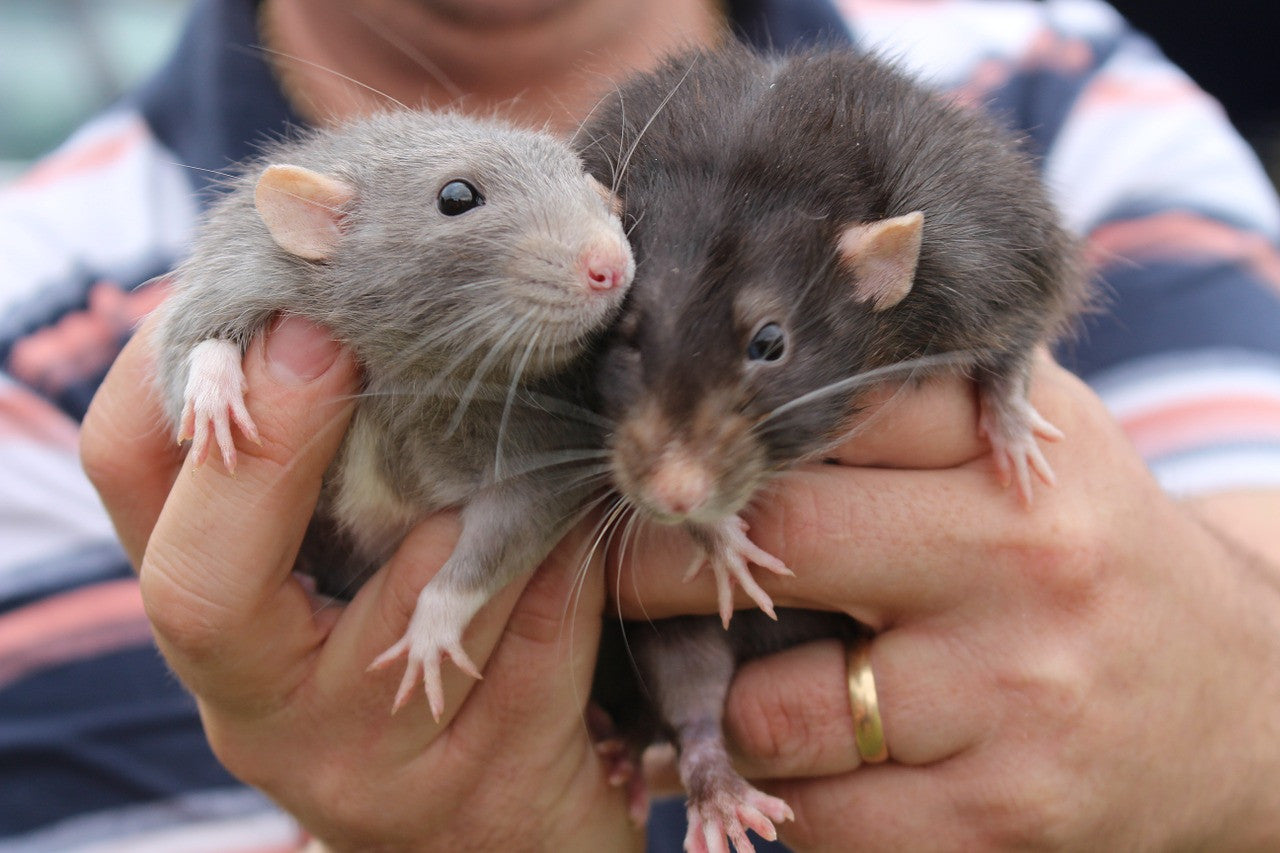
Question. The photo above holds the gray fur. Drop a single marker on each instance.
(413, 292)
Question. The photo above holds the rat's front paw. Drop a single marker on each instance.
(729, 552)
(435, 632)
(213, 399)
(1015, 428)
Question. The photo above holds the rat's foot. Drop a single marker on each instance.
(622, 769)
(728, 552)
(719, 816)
(435, 632)
(1012, 425)
(214, 397)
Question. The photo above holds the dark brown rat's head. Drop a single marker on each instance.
(726, 366)
(797, 222)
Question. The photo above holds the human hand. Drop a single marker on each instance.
(1097, 672)
(280, 681)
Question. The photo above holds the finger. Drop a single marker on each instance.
(534, 641)
(126, 446)
(881, 543)
(928, 424)
(789, 715)
(886, 807)
(543, 663)
(216, 573)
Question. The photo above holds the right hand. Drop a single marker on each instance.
(281, 683)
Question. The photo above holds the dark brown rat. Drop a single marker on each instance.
(471, 266)
(803, 226)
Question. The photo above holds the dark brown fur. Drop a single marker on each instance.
(737, 175)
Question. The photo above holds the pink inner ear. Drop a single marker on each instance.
(614, 203)
(302, 209)
(882, 257)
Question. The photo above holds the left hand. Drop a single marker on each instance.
(1099, 672)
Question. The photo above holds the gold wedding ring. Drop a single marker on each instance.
(868, 729)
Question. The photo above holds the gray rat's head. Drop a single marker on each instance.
(435, 238)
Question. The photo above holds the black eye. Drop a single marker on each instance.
(458, 197)
(768, 344)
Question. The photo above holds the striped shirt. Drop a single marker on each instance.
(101, 749)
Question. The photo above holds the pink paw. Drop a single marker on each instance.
(623, 770)
(730, 551)
(435, 632)
(1013, 429)
(213, 399)
(725, 817)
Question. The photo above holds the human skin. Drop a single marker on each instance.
(539, 62)
(1099, 670)
(281, 682)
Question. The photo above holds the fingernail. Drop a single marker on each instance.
(298, 351)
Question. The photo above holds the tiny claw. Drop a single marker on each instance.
(695, 566)
(465, 663)
(433, 686)
(381, 661)
(1041, 427)
(405, 690)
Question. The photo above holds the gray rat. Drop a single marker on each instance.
(803, 226)
(471, 266)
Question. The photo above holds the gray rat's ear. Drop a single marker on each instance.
(302, 209)
(882, 257)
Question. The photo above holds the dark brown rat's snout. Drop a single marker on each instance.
(703, 467)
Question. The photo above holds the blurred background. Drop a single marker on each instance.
(61, 60)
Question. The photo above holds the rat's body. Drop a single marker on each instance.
(799, 222)
(471, 268)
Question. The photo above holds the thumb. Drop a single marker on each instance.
(216, 573)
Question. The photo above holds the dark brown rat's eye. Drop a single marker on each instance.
(768, 343)
(458, 197)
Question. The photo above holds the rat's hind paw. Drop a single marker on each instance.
(213, 399)
(1013, 427)
(725, 816)
(729, 552)
(435, 632)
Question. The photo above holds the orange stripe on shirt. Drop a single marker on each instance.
(1156, 93)
(1188, 425)
(93, 154)
(27, 417)
(1180, 234)
(91, 621)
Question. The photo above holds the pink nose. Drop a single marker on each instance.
(603, 277)
(677, 487)
(605, 270)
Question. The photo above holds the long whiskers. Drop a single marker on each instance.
(498, 351)
(512, 389)
(625, 160)
(903, 368)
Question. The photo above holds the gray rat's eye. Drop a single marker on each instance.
(458, 197)
(768, 343)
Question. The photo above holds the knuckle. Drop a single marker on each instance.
(1062, 554)
(1023, 808)
(784, 729)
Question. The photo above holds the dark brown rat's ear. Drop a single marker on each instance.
(882, 257)
(302, 209)
(610, 198)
